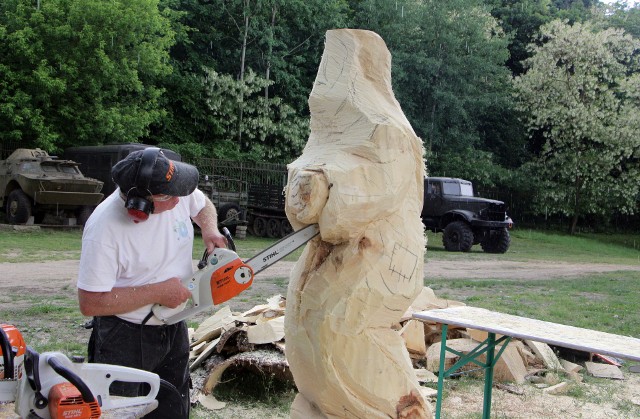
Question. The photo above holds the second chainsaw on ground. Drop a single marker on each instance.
(222, 275)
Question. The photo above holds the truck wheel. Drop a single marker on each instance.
(18, 207)
(286, 228)
(457, 237)
(496, 241)
(229, 214)
(273, 228)
(260, 227)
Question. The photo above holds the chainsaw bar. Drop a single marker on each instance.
(282, 248)
(222, 275)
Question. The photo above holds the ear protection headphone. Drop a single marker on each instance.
(138, 203)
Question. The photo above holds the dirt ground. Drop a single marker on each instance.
(593, 398)
(55, 274)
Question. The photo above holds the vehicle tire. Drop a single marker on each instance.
(285, 228)
(18, 207)
(273, 228)
(260, 227)
(496, 241)
(457, 237)
(229, 216)
(84, 213)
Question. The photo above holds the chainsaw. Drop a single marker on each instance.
(12, 348)
(222, 274)
(53, 386)
(49, 385)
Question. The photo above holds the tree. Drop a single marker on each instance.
(581, 93)
(620, 15)
(279, 40)
(448, 74)
(80, 72)
(276, 132)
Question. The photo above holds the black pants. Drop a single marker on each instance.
(163, 350)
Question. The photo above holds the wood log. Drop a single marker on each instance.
(413, 335)
(360, 177)
(604, 370)
(266, 332)
(509, 366)
(546, 354)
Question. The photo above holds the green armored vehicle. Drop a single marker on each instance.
(32, 183)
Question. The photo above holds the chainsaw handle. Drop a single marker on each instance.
(230, 244)
(73, 378)
(7, 355)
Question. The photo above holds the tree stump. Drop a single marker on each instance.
(360, 177)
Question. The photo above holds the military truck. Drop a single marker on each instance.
(33, 183)
(450, 207)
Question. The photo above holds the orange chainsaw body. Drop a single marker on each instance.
(230, 280)
(18, 346)
(65, 402)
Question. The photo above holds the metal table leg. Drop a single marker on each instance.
(488, 347)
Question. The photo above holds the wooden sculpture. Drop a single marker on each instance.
(360, 178)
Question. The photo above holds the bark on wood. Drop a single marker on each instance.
(360, 178)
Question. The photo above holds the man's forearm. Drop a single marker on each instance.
(117, 301)
(207, 218)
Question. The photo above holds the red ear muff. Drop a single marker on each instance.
(139, 208)
(138, 203)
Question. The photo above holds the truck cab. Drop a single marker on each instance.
(450, 207)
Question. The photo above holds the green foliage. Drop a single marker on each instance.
(622, 16)
(581, 96)
(279, 41)
(448, 71)
(521, 21)
(263, 128)
(477, 166)
(80, 72)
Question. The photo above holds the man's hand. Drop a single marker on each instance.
(213, 239)
(172, 293)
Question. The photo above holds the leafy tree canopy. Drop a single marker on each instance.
(581, 94)
(80, 71)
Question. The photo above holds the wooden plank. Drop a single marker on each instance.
(586, 340)
(604, 370)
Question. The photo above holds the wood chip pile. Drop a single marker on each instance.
(253, 341)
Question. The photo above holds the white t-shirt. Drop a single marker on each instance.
(117, 252)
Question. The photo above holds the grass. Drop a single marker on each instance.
(553, 246)
(40, 245)
(43, 245)
(607, 302)
(51, 323)
(47, 245)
